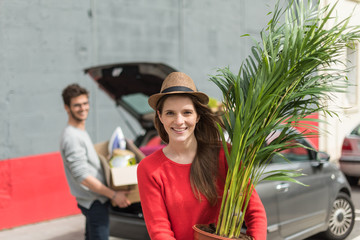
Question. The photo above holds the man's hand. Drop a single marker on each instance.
(120, 199)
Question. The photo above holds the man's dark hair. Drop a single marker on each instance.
(72, 91)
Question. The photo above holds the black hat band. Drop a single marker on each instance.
(177, 89)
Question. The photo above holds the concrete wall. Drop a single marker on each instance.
(45, 45)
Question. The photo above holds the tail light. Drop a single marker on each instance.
(346, 145)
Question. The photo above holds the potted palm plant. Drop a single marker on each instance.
(285, 80)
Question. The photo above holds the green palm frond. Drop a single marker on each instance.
(290, 74)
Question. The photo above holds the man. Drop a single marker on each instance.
(83, 168)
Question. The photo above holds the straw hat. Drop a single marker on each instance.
(174, 83)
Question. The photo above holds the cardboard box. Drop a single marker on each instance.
(121, 178)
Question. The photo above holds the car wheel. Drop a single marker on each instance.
(342, 218)
(352, 180)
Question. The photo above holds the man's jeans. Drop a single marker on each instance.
(97, 221)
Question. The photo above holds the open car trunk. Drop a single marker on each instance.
(130, 85)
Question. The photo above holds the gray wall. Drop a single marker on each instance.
(46, 44)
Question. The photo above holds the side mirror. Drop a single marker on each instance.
(322, 156)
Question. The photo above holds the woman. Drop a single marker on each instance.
(181, 185)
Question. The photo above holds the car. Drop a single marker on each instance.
(294, 211)
(350, 156)
(323, 207)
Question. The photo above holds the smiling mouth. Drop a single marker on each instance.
(82, 114)
(179, 130)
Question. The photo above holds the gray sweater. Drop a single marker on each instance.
(80, 160)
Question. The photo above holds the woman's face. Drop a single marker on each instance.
(179, 118)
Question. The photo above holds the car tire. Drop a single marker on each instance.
(342, 218)
(353, 181)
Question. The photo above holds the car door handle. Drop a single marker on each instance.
(283, 187)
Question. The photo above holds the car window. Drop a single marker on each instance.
(138, 102)
(296, 154)
(356, 131)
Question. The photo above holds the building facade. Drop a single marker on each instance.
(347, 105)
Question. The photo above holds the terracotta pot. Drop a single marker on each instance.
(203, 235)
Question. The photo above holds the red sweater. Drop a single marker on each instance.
(170, 207)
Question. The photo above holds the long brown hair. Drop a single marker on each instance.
(204, 168)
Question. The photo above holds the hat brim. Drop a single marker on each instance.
(153, 99)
